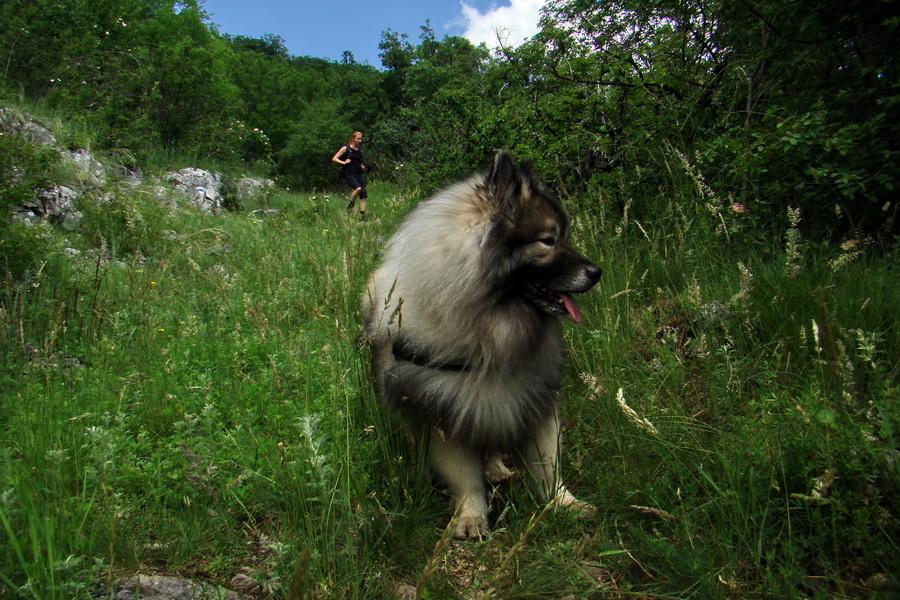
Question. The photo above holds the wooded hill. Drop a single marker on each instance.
(773, 104)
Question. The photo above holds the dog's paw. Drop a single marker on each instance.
(471, 527)
(579, 508)
(496, 471)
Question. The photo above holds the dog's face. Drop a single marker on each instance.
(531, 228)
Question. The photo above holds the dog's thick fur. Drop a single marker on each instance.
(462, 319)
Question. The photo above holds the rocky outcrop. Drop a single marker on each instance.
(203, 189)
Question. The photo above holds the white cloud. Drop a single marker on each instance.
(513, 24)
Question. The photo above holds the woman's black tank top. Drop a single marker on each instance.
(356, 159)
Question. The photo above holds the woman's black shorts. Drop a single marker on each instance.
(357, 180)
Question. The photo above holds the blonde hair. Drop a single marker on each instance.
(353, 135)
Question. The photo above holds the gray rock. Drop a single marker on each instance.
(13, 121)
(202, 188)
(56, 205)
(88, 164)
(265, 212)
(249, 188)
(59, 205)
(159, 587)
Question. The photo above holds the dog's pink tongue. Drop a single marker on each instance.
(572, 307)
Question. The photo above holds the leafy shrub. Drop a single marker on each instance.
(23, 168)
(231, 200)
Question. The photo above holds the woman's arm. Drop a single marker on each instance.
(337, 154)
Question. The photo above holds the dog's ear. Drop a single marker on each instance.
(526, 167)
(504, 179)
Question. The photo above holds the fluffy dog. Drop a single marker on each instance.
(463, 320)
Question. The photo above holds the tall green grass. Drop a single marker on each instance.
(187, 396)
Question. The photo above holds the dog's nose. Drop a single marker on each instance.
(593, 272)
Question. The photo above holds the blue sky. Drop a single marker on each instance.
(325, 29)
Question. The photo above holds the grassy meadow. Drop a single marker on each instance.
(186, 395)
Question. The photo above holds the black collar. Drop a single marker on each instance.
(421, 358)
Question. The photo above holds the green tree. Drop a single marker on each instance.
(142, 71)
(819, 93)
(777, 104)
(305, 161)
(440, 97)
(269, 45)
(192, 93)
(274, 93)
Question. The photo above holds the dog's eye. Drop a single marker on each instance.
(548, 241)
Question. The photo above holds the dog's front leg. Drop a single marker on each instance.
(460, 468)
(542, 456)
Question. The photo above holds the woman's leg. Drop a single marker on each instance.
(363, 195)
(355, 188)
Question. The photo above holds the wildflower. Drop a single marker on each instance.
(792, 250)
(843, 260)
(694, 293)
(815, 330)
(743, 295)
(737, 207)
(161, 330)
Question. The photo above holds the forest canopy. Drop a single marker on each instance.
(770, 103)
